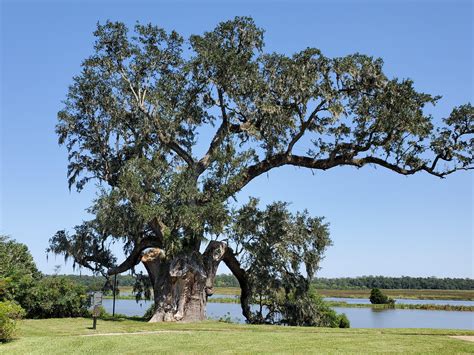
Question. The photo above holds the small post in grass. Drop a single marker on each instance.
(96, 303)
(113, 303)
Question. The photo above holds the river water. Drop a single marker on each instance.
(402, 301)
(359, 317)
(367, 301)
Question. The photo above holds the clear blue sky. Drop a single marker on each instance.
(381, 223)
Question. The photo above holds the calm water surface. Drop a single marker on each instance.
(402, 300)
(359, 317)
(366, 300)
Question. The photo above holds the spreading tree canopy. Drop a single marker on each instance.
(172, 129)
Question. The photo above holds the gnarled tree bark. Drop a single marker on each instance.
(182, 285)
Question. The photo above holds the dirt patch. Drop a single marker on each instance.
(463, 337)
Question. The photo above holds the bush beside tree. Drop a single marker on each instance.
(39, 297)
(18, 271)
(10, 312)
(56, 297)
(311, 310)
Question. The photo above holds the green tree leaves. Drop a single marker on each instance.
(18, 271)
(172, 133)
(281, 252)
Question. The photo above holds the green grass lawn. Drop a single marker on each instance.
(73, 336)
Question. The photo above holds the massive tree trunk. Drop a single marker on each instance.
(181, 285)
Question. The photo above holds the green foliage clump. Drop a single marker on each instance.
(56, 297)
(226, 280)
(10, 312)
(377, 297)
(276, 246)
(344, 321)
(18, 271)
(39, 296)
(311, 310)
(132, 119)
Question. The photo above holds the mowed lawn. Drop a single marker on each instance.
(73, 336)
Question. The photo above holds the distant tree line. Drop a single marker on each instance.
(99, 283)
(382, 282)
(226, 280)
(404, 282)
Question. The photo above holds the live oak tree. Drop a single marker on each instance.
(137, 118)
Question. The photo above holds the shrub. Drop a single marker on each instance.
(9, 313)
(327, 317)
(40, 297)
(56, 297)
(344, 321)
(377, 297)
(18, 271)
(311, 310)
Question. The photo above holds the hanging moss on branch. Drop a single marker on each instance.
(132, 120)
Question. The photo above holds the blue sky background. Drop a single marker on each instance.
(381, 223)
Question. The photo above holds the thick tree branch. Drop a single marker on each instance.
(347, 158)
(135, 256)
(175, 147)
(158, 228)
(234, 266)
(218, 138)
(212, 257)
